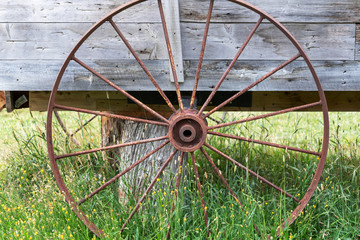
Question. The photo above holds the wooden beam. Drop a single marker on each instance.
(10, 102)
(331, 11)
(261, 101)
(273, 101)
(357, 42)
(40, 76)
(73, 11)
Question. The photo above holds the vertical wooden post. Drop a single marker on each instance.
(10, 102)
(172, 18)
(115, 131)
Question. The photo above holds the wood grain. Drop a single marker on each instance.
(261, 101)
(329, 11)
(172, 19)
(40, 75)
(74, 11)
(320, 11)
(55, 40)
(320, 41)
(37, 35)
(357, 42)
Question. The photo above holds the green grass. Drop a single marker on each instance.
(31, 206)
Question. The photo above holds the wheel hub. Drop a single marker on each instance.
(187, 131)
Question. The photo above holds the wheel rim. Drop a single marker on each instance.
(188, 127)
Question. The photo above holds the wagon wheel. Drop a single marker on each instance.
(66, 131)
(188, 129)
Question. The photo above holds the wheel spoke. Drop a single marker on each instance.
(70, 136)
(262, 179)
(214, 120)
(178, 178)
(122, 173)
(269, 74)
(173, 68)
(110, 147)
(126, 42)
(120, 90)
(179, 173)
(148, 189)
(265, 143)
(231, 65)
(198, 70)
(83, 125)
(109, 115)
(218, 173)
(177, 184)
(266, 115)
(200, 189)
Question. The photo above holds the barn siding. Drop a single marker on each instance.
(328, 11)
(55, 41)
(305, 11)
(37, 35)
(39, 75)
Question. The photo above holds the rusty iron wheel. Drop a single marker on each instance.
(188, 128)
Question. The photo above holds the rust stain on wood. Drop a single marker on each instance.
(2, 101)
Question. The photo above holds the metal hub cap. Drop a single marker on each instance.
(187, 131)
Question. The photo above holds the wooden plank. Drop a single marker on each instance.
(104, 101)
(334, 75)
(74, 11)
(40, 76)
(357, 42)
(172, 18)
(320, 41)
(10, 101)
(40, 100)
(274, 101)
(261, 101)
(326, 11)
(55, 40)
(329, 11)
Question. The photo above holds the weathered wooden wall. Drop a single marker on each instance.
(37, 35)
